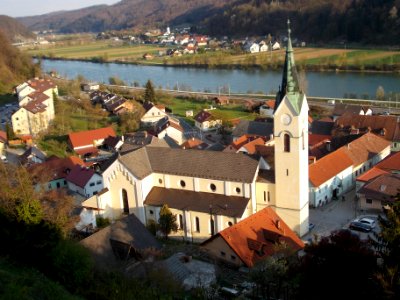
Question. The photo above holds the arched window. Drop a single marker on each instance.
(125, 201)
(197, 224)
(286, 140)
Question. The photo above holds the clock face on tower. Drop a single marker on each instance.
(286, 119)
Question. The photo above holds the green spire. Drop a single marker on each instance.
(290, 84)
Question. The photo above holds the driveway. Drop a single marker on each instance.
(336, 215)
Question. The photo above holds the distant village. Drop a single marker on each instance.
(235, 199)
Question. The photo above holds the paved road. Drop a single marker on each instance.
(336, 215)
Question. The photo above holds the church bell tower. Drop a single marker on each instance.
(291, 148)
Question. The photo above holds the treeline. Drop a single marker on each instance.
(315, 21)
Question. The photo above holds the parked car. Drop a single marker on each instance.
(359, 226)
(367, 221)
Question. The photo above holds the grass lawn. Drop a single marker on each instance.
(226, 113)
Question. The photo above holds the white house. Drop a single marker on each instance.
(206, 121)
(263, 47)
(253, 48)
(276, 46)
(153, 114)
(84, 181)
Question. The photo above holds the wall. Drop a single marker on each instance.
(220, 250)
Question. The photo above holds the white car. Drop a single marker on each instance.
(370, 222)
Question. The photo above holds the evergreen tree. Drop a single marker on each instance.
(9, 132)
(149, 94)
(167, 221)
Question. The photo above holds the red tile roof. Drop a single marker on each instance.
(35, 106)
(314, 139)
(203, 116)
(254, 238)
(383, 188)
(86, 138)
(80, 176)
(41, 85)
(390, 163)
(329, 166)
(370, 174)
(243, 140)
(365, 147)
(192, 143)
(56, 167)
(270, 103)
(251, 146)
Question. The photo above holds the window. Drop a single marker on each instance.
(269, 197)
(58, 185)
(286, 141)
(212, 226)
(265, 196)
(181, 222)
(230, 224)
(197, 221)
(182, 183)
(151, 212)
(368, 201)
(98, 182)
(49, 186)
(95, 193)
(159, 180)
(65, 182)
(287, 172)
(238, 190)
(125, 201)
(213, 187)
(91, 184)
(222, 253)
(233, 257)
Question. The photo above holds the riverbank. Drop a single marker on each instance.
(273, 67)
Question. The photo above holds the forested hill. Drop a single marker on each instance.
(14, 66)
(360, 21)
(317, 21)
(14, 30)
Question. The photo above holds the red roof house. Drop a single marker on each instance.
(252, 239)
(87, 141)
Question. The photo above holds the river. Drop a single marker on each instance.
(318, 84)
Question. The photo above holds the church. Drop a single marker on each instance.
(210, 191)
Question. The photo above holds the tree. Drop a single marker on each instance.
(149, 94)
(388, 244)
(115, 80)
(343, 259)
(380, 93)
(167, 221)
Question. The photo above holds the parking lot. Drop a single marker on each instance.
(335, 215)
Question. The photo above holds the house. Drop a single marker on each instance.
(194, 143)
(252, 240)
(335, 173)
(342, 108)
(205, 121)
(136, 140)
(246, 127)
(153, 113)
(251, 105)
(3, 141)
(36, 106)
(221, 100)
(263, 47)
(84, 181)
(388, 127)
(239, 142)
(322, 126)
(276, 46)
(54, 171)
(267, 109)
(379, 192)
(32, 155)
(86, 142)
(250, 148)
(169, 127)
(252, 47)
(123, 241)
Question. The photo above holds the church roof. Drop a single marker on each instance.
(230, 206)
(202, 164)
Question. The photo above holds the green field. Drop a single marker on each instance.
(107, 51)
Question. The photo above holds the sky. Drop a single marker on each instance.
(21, 8)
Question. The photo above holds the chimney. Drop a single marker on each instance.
(328, 146)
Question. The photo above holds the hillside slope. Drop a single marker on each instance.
(14, 66)
(355, 21)
(14, 30)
